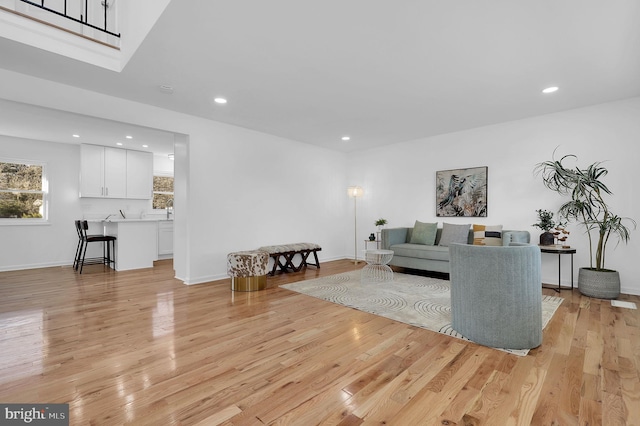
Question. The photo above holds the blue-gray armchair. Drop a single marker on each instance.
(496, 294)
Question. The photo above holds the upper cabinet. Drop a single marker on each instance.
(139, 174)
(115, 173)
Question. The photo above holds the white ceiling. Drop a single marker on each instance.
(379, 71)
(32, 122)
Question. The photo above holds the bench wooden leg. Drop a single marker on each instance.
(305, 254)
(305, 258)
(288, 261)
(276, 261)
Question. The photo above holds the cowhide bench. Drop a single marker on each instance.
(287, 252)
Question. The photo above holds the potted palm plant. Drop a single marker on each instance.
(587, 206)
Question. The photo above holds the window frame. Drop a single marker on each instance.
(44, 220)
(162, 174)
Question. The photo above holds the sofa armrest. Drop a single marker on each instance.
(391, 236)
(509, 237)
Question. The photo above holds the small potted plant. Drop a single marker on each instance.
(380, 223)
(546, 224)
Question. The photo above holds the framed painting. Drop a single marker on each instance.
(461, 192)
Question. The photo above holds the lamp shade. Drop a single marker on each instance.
(355, 191)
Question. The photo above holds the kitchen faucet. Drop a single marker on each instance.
(169, 208)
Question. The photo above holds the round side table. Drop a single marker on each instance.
(377, 269)
(560, 251)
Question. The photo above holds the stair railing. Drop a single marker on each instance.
(82, 19)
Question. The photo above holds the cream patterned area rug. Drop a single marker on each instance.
(420, 301)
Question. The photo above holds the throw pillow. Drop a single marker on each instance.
(487, 235)
(452, 234)
(424, 233)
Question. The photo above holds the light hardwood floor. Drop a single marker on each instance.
(142, 348)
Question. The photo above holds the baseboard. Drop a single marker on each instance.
(633, 291)
(204, 279)
(35, 266)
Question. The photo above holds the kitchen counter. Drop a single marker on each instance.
(146, 219)
(136, 240)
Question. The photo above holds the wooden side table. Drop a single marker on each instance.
(560, 251)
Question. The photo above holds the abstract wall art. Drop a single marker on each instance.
(461, 192)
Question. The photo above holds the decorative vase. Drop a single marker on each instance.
(372, 237)
(600, 284)
(547, 239)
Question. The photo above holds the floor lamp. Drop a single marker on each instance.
(355, 192)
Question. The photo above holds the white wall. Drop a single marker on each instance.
(28, 246)
(54, 243)
(399, 180)
(236, 189)
(248, 189)
(162, 165)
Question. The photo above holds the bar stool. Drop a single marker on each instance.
(108, 246)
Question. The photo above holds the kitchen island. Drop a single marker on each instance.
(136, 241)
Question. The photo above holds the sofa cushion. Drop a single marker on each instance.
(452, 234)
(509, 237)
(424, 233)
(421, 251)
(487, 235)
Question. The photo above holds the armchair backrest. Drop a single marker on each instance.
(496, 294)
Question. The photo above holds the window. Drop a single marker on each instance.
(23, 191)
(162, 192)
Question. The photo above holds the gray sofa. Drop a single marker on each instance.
(431, 257)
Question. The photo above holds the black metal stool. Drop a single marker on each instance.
(108, 246)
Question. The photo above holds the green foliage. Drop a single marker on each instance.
(15, 180)
(381, 222)
(586, 204)
(162, 184)
(545, 220)
(20, 177)
(20, 205)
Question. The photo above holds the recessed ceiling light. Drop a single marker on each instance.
(119, 143)
(550, 89)
(220, 100)
(145, 146)
(346, 138)
(129, 137)
(165, 88)
(76, 136)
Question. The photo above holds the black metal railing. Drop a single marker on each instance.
(82, 19)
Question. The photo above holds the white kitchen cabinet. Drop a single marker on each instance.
(103, 172)
(139, 175)
(165, 239)
(107, 172)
